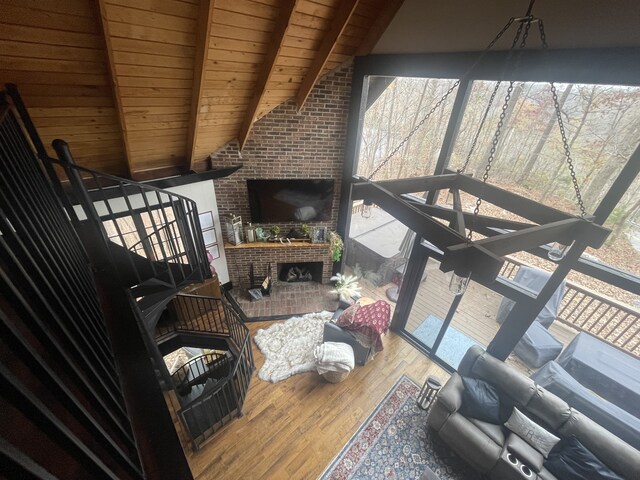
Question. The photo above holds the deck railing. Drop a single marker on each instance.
(588, 311)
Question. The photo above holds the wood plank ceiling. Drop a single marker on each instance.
(148, 88)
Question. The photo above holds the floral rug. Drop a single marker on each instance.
(395, 443)
(288, 346)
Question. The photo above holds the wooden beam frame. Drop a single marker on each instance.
(111, 69)
(457, 222)
(484, 265)
(338, 24)
(476, 222)
(405, 185)
(203, 37)
(379, 26)
(282, 26)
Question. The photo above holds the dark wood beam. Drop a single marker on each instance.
(515, 203)
(484, 265)
(605, 66)
(475, 222)
(379, 26)
(268, 67)
(405, 185)
(338, 24)
(203, 36)
(564, 231)
(458, 222)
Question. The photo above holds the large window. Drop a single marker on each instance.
(600, 125)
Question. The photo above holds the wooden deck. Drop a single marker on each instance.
(475, 316)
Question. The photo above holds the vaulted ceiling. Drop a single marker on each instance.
(148, 88)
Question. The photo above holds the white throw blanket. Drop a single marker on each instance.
(334, 357)
(288, 346)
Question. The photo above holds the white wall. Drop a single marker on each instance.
(203, 193)
(426, 26)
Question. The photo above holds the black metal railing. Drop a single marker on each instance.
(149, 233)
(58, 377)
(207, 410)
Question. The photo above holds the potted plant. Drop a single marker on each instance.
(306, 230)
(336, 246)
(275, 231)
(346, 286)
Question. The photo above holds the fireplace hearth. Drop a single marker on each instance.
(300, 272)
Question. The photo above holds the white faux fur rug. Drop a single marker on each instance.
(288, 346)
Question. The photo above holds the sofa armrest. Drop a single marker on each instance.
(450, 396)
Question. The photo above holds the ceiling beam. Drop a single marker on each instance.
(379, 26)
(203, 37)
(268, 66)
(338, 24)
(104, 24)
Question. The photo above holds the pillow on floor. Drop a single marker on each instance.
(573, 461)
(531, 432)
(480, 400)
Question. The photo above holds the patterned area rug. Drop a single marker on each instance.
(395, 443)
(288, 346)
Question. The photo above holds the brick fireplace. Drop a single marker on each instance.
(287, 144)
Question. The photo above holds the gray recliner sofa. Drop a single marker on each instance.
(486, 446)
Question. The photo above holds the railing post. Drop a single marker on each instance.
(64, 155)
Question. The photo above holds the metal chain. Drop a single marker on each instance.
(563, 134)
(442, 100)
(415, 129)
(503, 114)
(480, 127)
(492, 152)
(495, 91)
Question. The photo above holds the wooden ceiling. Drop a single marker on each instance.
(148, 88)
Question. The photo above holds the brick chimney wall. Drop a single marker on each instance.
(287, 144)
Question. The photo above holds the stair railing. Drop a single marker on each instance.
(166, 224)
(208, 412)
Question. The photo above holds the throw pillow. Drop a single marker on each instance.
(531, 432)
(573, 461)
(480, 400)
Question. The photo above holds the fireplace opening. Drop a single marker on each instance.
(300, 272)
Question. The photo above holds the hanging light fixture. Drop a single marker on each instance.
(558, 251)
(481, 259)
(459, 282)
(366, 209)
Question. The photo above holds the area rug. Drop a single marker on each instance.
(288, 346)
(395, 443)
(454, 343)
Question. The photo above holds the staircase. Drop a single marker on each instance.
(150, 239)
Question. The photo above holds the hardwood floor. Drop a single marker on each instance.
(293, 429)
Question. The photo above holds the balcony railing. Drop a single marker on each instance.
(588, 311)
(207, 411)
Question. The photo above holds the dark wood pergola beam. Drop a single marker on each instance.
(404, 185)
(458, 222)
(475, 222)
(524, 207)
(483, 264)
(564, 231)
